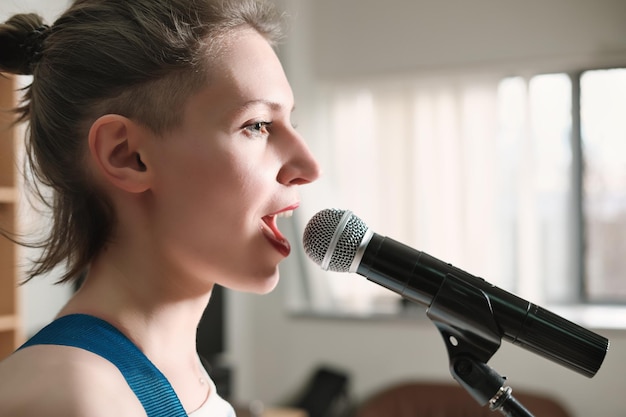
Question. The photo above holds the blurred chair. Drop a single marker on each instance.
(426, 399)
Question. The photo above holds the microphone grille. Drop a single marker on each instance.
(332, 238)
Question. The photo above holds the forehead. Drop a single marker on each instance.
(247, 71)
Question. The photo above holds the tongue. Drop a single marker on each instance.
(271, 223)
(278, 239)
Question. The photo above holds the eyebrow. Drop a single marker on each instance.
(271, 104)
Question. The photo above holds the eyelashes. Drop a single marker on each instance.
(261, 128)
(257, 129)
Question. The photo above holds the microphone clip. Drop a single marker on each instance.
(464, 316)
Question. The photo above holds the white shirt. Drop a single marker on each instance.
(214, 406)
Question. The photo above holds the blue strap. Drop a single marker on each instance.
(95, 335)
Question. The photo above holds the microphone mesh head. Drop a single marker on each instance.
(321, 230)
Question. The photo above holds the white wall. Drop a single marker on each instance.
(274, 353)
(364, 37)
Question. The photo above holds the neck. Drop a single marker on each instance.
(157, 304)
(150, 308)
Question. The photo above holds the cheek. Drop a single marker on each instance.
(213, 188)
(215, 195)
(197, 171)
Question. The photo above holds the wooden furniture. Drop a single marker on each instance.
(426, 399)
(283, 412)
(10, 329)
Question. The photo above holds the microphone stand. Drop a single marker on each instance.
(463, 316)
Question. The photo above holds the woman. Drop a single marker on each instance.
(163, 128)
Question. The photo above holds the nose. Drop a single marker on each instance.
(300, 166)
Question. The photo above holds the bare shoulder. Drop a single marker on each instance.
(63, 381)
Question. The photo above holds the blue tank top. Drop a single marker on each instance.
(98, 336)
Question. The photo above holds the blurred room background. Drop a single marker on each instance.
(489, 134)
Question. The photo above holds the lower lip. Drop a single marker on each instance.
(282, 246)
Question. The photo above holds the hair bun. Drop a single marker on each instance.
(33, 44)
(22, 43)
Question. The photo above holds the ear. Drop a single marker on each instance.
(114, 143)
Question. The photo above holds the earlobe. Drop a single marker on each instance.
(115, 147)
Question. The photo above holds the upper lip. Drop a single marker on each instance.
(284, 209)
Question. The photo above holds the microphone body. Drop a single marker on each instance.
(418, 277)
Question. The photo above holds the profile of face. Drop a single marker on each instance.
(234, 164)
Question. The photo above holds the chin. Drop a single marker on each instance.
(268, 284)
(259, 283)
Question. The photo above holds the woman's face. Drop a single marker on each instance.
(233, 165)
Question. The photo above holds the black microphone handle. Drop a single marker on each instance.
(417, 277)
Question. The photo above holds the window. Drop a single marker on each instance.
(603, 132)
(487, 173)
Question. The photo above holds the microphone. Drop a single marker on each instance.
(339, 241)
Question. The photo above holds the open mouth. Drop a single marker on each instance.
(274, 235)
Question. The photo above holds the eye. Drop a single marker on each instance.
(260, 128)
